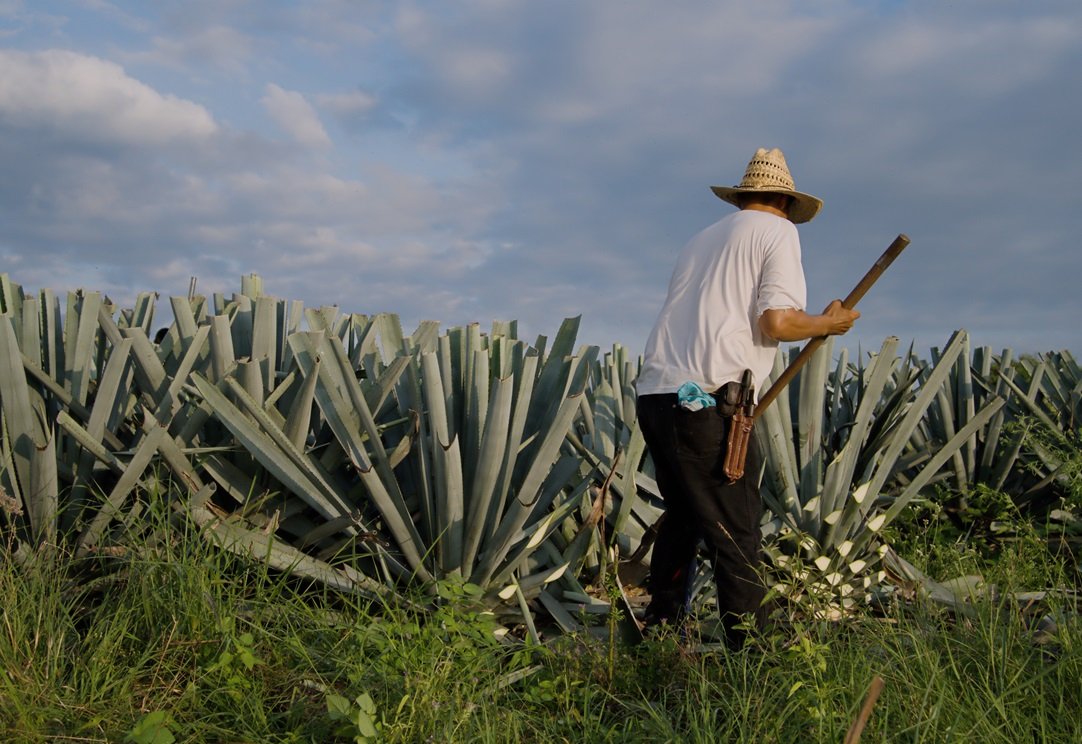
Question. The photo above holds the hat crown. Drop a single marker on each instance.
(769, 173)
(767, 170)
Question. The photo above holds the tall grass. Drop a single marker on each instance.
(175, 641)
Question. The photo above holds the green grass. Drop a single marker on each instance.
(179, 642)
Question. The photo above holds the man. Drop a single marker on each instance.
(737, 290)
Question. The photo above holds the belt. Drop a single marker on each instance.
(727, 397)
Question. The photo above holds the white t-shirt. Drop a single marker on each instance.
(726, 276)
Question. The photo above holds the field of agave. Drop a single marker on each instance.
(339, 448)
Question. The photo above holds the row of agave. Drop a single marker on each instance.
(341, 449)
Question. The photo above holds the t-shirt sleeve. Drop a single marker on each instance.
(781, 284)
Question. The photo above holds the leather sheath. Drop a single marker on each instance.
(736, 454)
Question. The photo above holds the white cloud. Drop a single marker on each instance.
(533, 160)
(91, 99)
(477, 71)
(352, 104)
(988, 56)
(216, 45)
(295, 116)
(471, 64)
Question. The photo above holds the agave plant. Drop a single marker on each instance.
(330, 445)
(609, 439)
(341, 449)
(1045, 408)
(831, 480)
(419, 458)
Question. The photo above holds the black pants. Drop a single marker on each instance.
(688, 449)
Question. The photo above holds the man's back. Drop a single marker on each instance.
(725, 277)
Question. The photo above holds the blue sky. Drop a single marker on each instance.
(502, 159)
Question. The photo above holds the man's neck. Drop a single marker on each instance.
(756, 207)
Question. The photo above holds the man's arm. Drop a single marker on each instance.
(797, 325)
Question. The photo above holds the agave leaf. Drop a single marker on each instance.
(840, 472)
(473, 427)
(533, 537)
(439, 425)
(150, 375)
(626, 487)
(913, 489)
(523, 399)
(299, 419)
(559, 613)
(169, 403)
(946, 425)
(812, 406)
(1012, 449)
(180, 335)
(281, 461)
(257, 545)
(303, 464)
(966, 408)
(451, 508)
(389, 326)
(223, 359)
(11, 296)
(521, 506)
(380, 389)
(81, 327)
(322, 319)
(250, 376)
(493, 447)
(29, 331)
(88, 442)
(44, 492)
(902, 572)
(838, 409)
(779, 484)
(424, 338)
(1029, 399)
(285, 389)
(995, 426)
(600, 421)
(52, 334)
(65, 399)
(184, 318)
(342, 416)
(133, 473)
(174, 458)
(265, 350)
(900, 436)
(236, 483)
(552, 379)
(913, 416)
(411, 398)
(110, 407)
(22, 425)
(242, 324)
(109, 328)
(345, 378)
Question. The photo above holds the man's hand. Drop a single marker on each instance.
(841, 318)
(797, 325)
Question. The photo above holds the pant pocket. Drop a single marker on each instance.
(698, 434)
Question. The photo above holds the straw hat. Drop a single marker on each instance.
(768, 173)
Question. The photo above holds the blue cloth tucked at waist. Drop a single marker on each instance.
(694, 398)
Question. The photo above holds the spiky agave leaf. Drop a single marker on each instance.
(836, 525)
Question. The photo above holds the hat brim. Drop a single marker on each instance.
(803, 209)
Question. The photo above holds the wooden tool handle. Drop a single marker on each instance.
(849, 302)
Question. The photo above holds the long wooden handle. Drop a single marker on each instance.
(849, 302)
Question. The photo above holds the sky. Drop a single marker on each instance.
(486, 160)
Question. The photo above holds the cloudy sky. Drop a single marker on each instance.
(505, 159)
